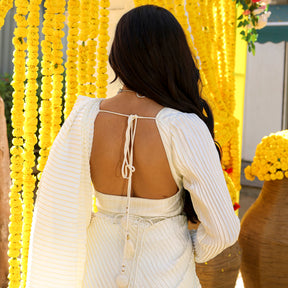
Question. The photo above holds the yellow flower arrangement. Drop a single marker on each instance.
(215, 59)
(180, 14)
(15, 226)
(46, 94)
(72, 56)
(57, 66)
(232, 190)
(92, 43)
(169, 5)
(5, 6)
(82, 47)
(102, 56)
(137, 3)
(216, 64)
(271, 158)
(30, 128)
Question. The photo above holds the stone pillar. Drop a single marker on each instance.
(5, 182)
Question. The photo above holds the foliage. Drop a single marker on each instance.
(6, 91)
(254, 17)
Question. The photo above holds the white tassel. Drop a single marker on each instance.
(129, 249)
(122, 281)
(124, 222)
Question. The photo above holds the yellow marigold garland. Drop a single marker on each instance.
(15, 226)
(193, 8)
(216, 68)
(72, 53)
(102, 56)
(231, 187)
(223, 79)
(160, 3)
(5, 6)
(57, 67)
(202, 28)
(138, 3)
(214, 41)
(82, 48)
(92, 43)
(271, 158)
(30, 128)
(46, 94)
(169, 5)
(230, 15)
(235, 156)
(180, 14)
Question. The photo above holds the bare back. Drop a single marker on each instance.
(152, 178)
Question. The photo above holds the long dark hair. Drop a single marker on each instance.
(151, 56)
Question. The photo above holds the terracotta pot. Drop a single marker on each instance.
(221, 271)
(264, 238)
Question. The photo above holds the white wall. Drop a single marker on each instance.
(263, 95)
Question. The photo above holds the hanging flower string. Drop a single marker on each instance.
(72, 56)
(5, 6)
(214, 57)
(195, 25)
(57, 66)
(215, 60)
(254, 17)
(169, 5)
(92, 43)
(181, 16)
(216, 64)
(82, 47)
(30, 128)
(15, 226)
(46, 94)
(102, 56)
(137, 3)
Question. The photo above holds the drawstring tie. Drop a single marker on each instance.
(122, 280)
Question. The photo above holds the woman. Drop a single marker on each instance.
(144, 151)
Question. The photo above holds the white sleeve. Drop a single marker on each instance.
(57, 252)
(196, 160)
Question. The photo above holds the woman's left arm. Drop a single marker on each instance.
(197, 161)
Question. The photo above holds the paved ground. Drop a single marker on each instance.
(249, 192)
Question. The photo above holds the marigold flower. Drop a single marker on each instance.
(270, 160)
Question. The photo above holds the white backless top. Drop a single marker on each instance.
(129, 242)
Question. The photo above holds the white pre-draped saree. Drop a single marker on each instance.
(72, 247)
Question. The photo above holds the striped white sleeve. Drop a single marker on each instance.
(196, 160)
(57, 252)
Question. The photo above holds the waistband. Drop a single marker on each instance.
(167, 207)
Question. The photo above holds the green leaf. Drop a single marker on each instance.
(245, 22)
(254, 37)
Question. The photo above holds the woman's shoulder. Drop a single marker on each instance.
(86, 99)
(83, 103)
(180, 120)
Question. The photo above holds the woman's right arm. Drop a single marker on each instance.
(57, 252)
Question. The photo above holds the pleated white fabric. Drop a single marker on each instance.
(72, 247)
